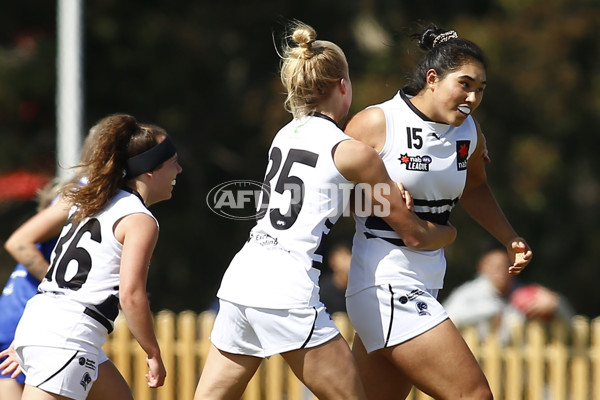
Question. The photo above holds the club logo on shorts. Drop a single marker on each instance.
(85, 380)
(422, 308)
(91, 364)
(410, 296)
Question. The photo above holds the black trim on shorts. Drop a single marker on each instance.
(60, 369)
(311, 329)
(387, 339)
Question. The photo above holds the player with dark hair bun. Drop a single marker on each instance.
(429, 141)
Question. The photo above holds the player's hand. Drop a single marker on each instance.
(520, 253)
(156, 372)
(10, 365)
(406, 196)
(485, 154)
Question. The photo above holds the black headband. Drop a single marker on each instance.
(150, 159)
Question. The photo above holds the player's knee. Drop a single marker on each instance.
(483, 392)
(202, 394)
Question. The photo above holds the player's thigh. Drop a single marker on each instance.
(379, 376)
(440, 363)
(10, 389)
(225, 375)
(110, 384)
(33, 393)
(328, 370)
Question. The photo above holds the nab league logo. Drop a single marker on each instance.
(462, 152)
(415, 163)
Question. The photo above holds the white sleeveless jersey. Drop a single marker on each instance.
(279, 266)
(85, 264)
(430, 159)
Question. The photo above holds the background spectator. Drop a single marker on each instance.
(495, 299)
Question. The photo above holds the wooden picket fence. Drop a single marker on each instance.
(557, 361)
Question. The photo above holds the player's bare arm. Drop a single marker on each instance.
(360, 163)
(479, 201)
(40, 228)
(139, 233)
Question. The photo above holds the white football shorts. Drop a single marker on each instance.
(263, 332)
(387, 315)
(69, 373)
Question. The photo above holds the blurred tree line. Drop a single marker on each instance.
(208, 72)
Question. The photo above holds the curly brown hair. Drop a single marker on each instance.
(118, 138)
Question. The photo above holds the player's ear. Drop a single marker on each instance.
(343, 84)
(431, 78)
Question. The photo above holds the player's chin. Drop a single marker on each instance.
(167, 195)
(458, 121)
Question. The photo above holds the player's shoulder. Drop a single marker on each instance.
(369, 118)
(351, 156)
(368, 126)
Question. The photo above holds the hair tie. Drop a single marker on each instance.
(151, 158)
(307, 44)
(444, 37)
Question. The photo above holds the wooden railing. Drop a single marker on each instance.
(557, 361)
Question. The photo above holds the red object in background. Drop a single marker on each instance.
(522, 297)
(21, 185)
